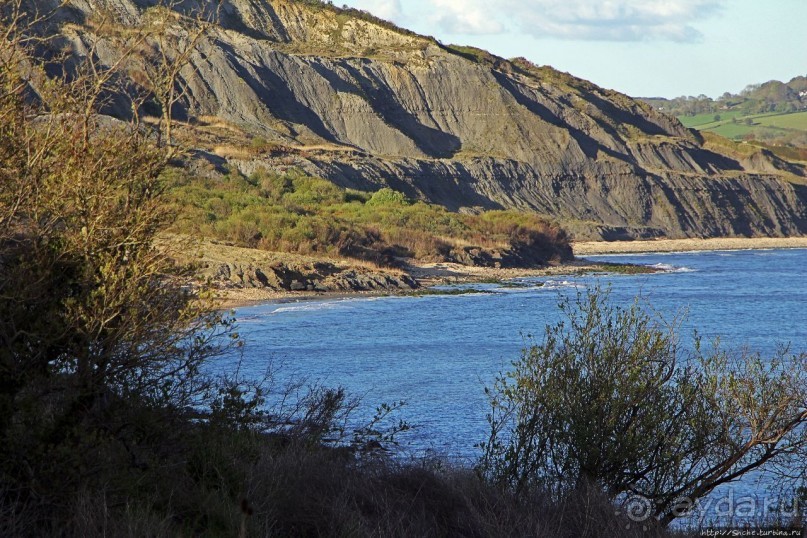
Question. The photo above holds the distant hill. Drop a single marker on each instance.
(771, 96)
(774, 113)
(338, 94)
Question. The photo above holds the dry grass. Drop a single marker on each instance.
(302, 491)
(189, 249)
(235, 152)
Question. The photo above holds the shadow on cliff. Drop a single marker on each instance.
(450, 185)
(801, 221)
(276, 95)
(433, 142)
(230, 17)
(587, 144)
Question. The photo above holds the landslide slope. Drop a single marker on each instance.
(367, 105)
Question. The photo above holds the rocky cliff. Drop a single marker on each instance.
(368, 105)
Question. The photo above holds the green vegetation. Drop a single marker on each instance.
(783, 134)
(480, 56)
(707, 120)
(607, 399)
(742, 149)
(293, 212)
(793, 153)
(771, 113)
(746, 148)
(771, 97)
(626, 268)
(112, 424)
(796, 121)
(734, 131)
(447, 291)
(736, 125)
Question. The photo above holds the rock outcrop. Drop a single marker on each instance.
(367, 105)
(318, 276)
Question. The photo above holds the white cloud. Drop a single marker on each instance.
(451, 16)
(593, 20)
(466, 16)
(386, 9)
(611, 20)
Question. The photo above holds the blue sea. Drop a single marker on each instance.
(438, 352)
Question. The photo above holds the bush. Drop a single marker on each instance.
(387, 196)
(108, 424)
(101, 339)
(293, 212)
(607, 399)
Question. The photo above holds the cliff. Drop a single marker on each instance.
(367, 105)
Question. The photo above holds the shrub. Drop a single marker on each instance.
(298, 213)
(387, 196)
(607, 399)
(101, 340)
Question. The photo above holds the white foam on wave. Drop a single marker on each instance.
(305, 307)
(519, 289)
(667, 268)
(561, 284)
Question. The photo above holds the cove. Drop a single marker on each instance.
(438, 352)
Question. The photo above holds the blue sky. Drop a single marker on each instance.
(643, 48)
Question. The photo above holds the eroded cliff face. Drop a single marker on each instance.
(381, 107)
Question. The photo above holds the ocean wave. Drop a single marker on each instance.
(667, 268)
(561, 284)
(305, 307)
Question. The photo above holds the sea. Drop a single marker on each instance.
(438, 353)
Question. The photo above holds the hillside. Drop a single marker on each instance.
(772, 115)
(287, 84)
(773, 96)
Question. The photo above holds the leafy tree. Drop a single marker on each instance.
(608, 398)
(101, 340)
(106, 409)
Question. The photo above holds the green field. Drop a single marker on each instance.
(770, 125)
(731, 130)
(701, 121)
(797, 121)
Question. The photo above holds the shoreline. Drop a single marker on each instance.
(427, 275)
(434, 274)
(591, 248)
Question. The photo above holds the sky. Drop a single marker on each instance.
(644, 48)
